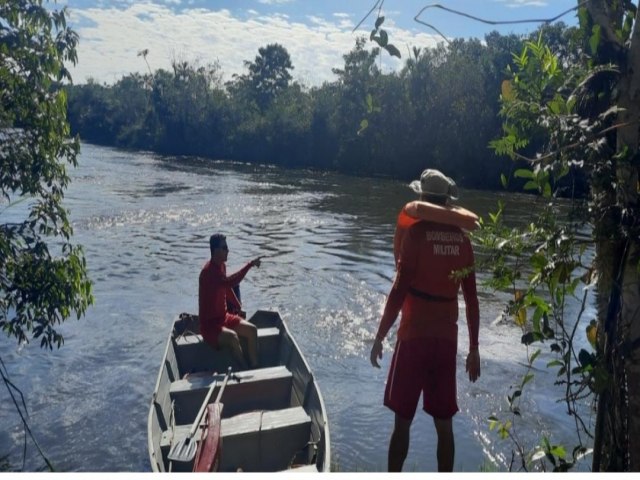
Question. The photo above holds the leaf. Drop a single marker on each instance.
(558, 451)
(507, 90)
(523, 173)
(369, 101)
(592, 333)
(364, 124)
(583, 17)
(530, 337)
(538, 455)
(586, 358)
(534, 355)
(594, 40)
(393, 51)
(520, 317)
(503, 180)
(384, 38)
(379, 21)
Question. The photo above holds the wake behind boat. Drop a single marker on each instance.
(273, 418)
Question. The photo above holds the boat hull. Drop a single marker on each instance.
(273, 418)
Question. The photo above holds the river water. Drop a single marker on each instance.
(144, 221)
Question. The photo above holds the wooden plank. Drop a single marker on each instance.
(264, 441)
(195, 355)
(261, 389)
(259, 441)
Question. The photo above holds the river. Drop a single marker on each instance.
(144, 221)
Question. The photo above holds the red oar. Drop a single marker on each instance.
(185, 449)
(209, 448)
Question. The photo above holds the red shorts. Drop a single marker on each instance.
(427, 366)
(211, 337)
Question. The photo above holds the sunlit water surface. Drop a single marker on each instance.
(144, 222)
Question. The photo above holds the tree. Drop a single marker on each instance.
(613, 32)
(355, 107)
(590, 116)
(269, 73)
(43, 278)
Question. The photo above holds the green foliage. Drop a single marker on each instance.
(381, 37)
(439, 110)
(268, 74)
(43, 278)
(545, 263)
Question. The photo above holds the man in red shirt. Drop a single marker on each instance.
(218, 326)
(434, 260)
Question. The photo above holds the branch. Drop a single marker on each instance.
(573, 145)
(378, 2)
(490, 22)
(11, 386)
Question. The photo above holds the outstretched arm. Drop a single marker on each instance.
(234, 279)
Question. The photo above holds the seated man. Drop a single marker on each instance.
(218, 326)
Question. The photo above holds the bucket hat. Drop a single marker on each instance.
(434, 182)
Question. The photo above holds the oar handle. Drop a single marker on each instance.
(224, 384)
(196, 422)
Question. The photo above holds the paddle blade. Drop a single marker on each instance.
(207, 458)
(183, 451)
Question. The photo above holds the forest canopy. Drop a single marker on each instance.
(439, 111)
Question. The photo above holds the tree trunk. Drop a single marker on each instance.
(617, 442)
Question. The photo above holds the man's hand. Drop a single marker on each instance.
(376, 353)
(473, 365)
(256, 262)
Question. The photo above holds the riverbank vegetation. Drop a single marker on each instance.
(440, 110)
(43, 275)
(578, 109)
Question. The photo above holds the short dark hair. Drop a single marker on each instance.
(215, 241)
(437, 199)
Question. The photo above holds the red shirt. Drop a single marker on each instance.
(215, 288)
(429, 253)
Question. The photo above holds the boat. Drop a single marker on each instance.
(272, 417)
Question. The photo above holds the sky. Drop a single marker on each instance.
(316, 33)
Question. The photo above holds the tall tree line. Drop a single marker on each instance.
(440, 110)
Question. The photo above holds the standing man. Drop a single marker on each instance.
(218, 326)
(434, 259)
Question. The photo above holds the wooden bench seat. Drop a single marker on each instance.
(194, 355)
(258, 441)
(261, 389)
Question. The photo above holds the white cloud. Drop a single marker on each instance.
(274, 2)
(110, 40)
(524, 3)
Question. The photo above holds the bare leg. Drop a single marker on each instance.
(250, 332)
(229, 339)
(399, 444)
(446, 446)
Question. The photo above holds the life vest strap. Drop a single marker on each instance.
(427, 296)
